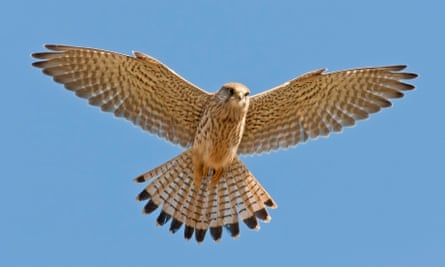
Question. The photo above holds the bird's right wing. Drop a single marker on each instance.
(139, 88)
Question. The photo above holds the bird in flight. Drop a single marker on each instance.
(207, 188)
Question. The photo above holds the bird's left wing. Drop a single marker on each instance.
(318, 103)
(140, 88)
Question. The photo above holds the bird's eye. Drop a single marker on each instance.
(247, 93)
(231, 91)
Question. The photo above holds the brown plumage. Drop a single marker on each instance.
(207, 187)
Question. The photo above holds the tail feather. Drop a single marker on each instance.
(237, 193)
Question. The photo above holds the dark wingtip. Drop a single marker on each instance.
(409, 76)
(45, 55)
(37, 64)
(57, 47)
(406, 75)
(150, 207)
(396, 67)
(36, 55)
(408, 86)
(50, 46)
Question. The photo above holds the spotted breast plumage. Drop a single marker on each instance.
(207, 188)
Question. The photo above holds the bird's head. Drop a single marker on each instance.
(235, 94)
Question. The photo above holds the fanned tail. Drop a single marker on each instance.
(237, 195)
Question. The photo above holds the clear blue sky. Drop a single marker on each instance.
(371, 196)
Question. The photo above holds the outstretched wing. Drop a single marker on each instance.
(139, 88)
(318, 103)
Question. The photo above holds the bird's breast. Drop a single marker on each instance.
(217, 140)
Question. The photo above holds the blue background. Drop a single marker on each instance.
(371, 196)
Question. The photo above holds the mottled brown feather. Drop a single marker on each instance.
(318, 103)
(236, 194)
(139, 88)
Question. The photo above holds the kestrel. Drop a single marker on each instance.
(207, 187)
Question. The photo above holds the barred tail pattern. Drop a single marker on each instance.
(237, 196)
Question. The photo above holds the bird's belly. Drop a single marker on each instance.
(217, 146)
(218, 156)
